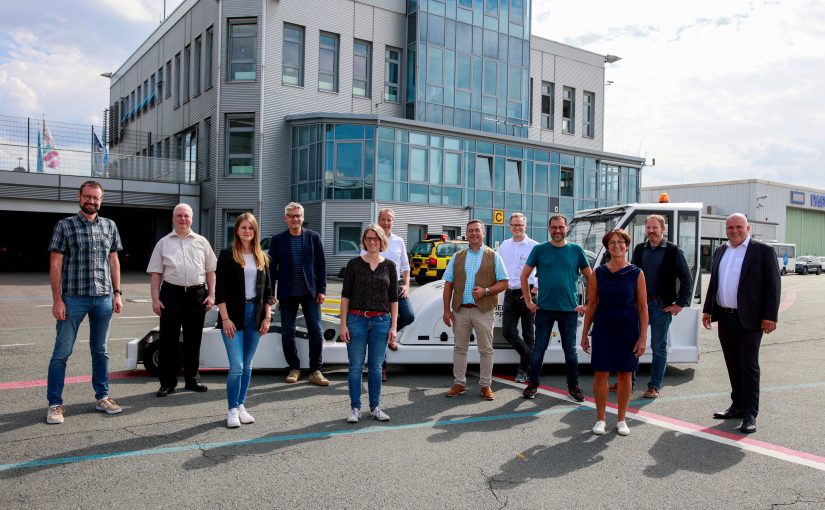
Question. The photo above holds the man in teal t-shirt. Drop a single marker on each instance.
(558, 265)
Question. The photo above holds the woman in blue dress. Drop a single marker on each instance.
(617, 309)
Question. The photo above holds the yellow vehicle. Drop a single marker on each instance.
(429, 257)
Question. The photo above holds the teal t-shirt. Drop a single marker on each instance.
(557, 269)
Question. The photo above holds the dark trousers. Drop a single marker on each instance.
(741, 349)
(514, 310)
(312, 316)
(182, 309)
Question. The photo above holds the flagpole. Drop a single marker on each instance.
(28, 144)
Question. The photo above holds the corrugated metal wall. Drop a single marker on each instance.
(806, 229)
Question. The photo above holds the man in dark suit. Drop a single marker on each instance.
(298, 266)
(743, 297)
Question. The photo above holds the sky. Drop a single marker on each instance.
(713, 90)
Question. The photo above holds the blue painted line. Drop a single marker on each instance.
(368, 430)
(284, 438)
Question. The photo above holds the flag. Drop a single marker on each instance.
(51, 157)
(97, 156)
(40, 152)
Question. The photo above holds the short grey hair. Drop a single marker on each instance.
(293, 205)
(183, 206)
(385, 211)
(518, 215)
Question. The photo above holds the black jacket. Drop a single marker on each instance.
(314, 263)
(674, 267)
(230, 289)
(759, 289)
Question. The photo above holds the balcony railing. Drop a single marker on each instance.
(25, 147)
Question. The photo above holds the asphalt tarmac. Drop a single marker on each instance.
(435, 452)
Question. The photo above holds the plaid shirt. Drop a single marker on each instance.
(86, 246)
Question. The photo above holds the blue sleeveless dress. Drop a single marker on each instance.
(616, 324)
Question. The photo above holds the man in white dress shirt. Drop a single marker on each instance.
(514, 253)
(183, 289)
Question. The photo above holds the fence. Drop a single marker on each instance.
(75, 149)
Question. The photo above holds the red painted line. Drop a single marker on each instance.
(790, 299)
(697, 428)
(16, 385)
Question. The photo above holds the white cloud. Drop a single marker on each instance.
(713, 90)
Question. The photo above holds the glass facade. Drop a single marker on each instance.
(468, 64)
(393, 164)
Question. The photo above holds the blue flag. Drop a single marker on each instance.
(39, 152)
(98, 156)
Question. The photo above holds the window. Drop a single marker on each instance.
(392, 75)
(153, 84)
(243, 42)
(568, 111)
(512, 176)
(145, 101)
(187, 61)
(589, 114)
(347, 238)
(207, 144)
(189, 155)
(139, 101)
(566, 182)
(328, 63)
(160, 86)
(177, 80)
(240, 144)
(207, 64)
(484, 172)
(361, 68)
(547, 111)
(293, 65)
(197, 70)
(169, 77)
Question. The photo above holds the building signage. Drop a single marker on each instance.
(498, 217)
(817, 200)
(798, 197)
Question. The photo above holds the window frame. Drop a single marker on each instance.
(196, 71)
(337, 226)
(187, 72)
(548, 90)
(208, 58)
(568, 122)
(335, 50)
(367, 80)
(388, 63)
(229, 130)
(232, 24)
(589, 119)
(301, 49)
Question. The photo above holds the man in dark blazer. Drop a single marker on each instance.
(298, 266)
(743, 297)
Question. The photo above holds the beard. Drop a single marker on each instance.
(90, 208)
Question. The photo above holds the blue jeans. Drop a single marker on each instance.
(567, 330)
(99, 310)
(406, 316)
(366, 334)
(312, 316)
(240, 350)
(659, 325)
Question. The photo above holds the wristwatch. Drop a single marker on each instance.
(487, 291)
(117, 291)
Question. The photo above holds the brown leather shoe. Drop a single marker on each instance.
(383, 375)
(455, 391)
(651, 393)
(487, 393)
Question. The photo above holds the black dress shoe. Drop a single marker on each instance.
(197, 387)
(728, 414)
(748, 425)
(163, 391)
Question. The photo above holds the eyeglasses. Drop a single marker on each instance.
(558, 228)
(517, 225)
(616, 243)
(371, 239)
(294, 216)
(91, 198)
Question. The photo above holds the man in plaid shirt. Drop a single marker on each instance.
(85, 277)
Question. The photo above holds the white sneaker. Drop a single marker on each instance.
(54, 415)
(244, 416)
(622, 429)
(378, 414)
(600, 428)
(108, 406)
(354, 416)
(232, 420)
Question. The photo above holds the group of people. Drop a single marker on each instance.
(540, 282)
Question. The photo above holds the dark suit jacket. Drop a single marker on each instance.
(314, 263)
(230, 288)
(759, 288)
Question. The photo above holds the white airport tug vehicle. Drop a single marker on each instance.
(429, 341)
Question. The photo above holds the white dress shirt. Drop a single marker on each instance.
(397, 252)
(514, 254)
(730, 269)
(183, 261)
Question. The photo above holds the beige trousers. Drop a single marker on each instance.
(465, 321)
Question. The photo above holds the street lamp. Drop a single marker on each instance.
(106, 74)
(611, 59)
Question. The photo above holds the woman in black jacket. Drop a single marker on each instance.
(243, 294)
